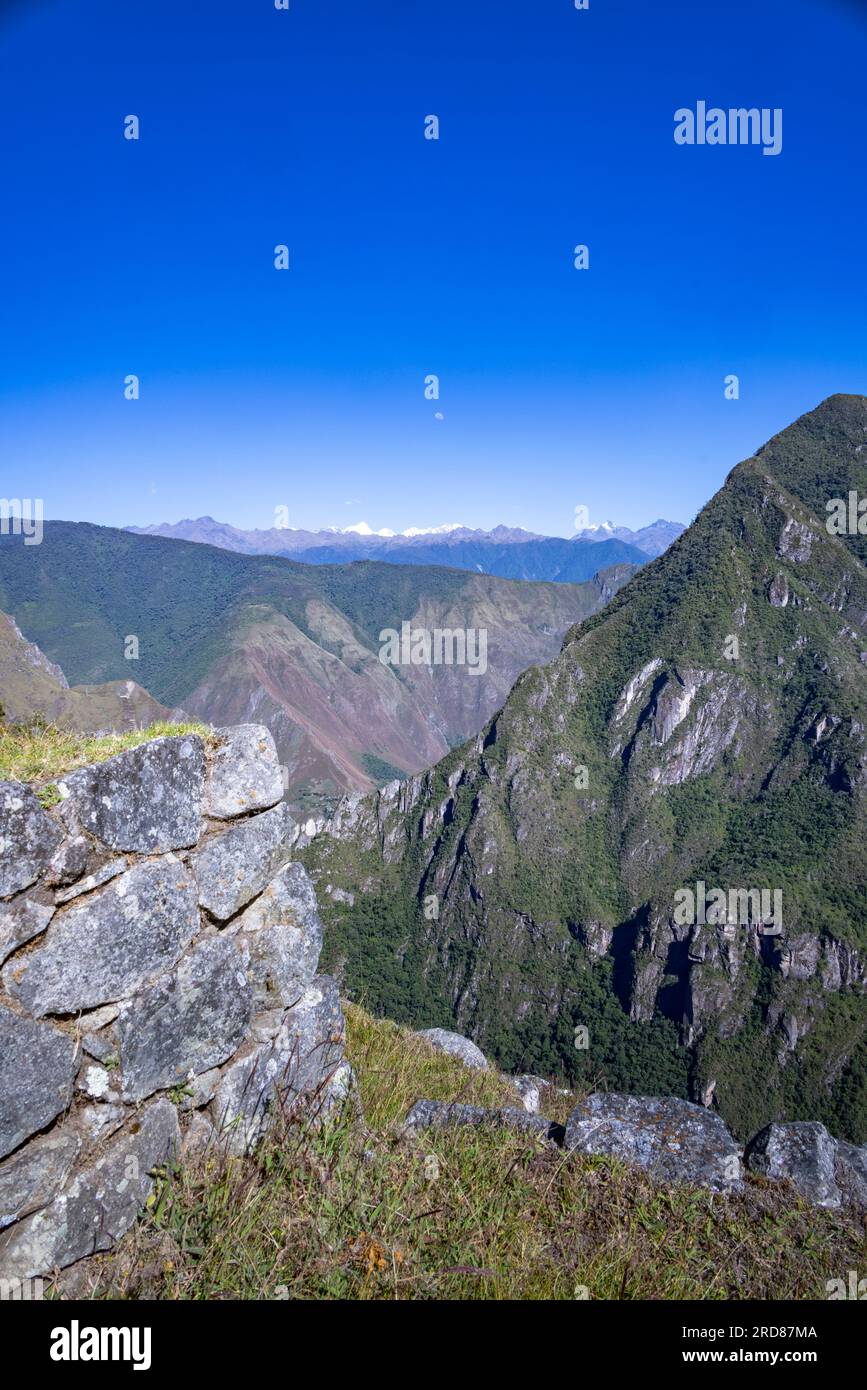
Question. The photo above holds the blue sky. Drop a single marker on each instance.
(304, 388)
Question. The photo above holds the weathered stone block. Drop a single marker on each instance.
(456, 1046)
(28, 837)
(20, 921)
(244, 774)
(283, 933)
(304, 1055)
(147, 799)
(234, 867)
(37, 1070)
(106, 947)
(674, 1140)
(30, 1177)
(97, 1205)
(187, 1022)
(802, 1151)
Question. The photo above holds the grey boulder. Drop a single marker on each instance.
(28, 837)
(802, 1151)
(245, 774)
(36, 1079)
(672, 1139)
(107, 946)
(456, 1046)
(147, 799)
(436, 1114)
(187, 1022)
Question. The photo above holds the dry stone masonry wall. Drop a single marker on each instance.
(158, 986)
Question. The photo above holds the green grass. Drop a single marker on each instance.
(37, 751)
(344, 1212)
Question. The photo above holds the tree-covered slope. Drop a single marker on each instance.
(706, 727)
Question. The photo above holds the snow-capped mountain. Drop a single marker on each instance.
(507, 551)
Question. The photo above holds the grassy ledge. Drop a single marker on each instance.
(343, 1211)
(37, 751)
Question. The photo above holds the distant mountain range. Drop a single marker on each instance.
(233, 637)
(507, 551)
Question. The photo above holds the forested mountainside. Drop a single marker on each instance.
(706, 728)
(231, 638)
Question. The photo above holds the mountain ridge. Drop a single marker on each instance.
(555, 896)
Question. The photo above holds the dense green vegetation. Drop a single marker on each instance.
(524, 862)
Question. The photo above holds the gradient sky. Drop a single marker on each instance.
(305, 389)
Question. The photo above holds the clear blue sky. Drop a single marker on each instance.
(410, 257)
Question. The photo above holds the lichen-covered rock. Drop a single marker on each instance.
(672, 1139)
(802, 1151)
(231, 868)
(282, 930)
(28, 837)
(850, 1170)
(456, 1046)
(244, 774)
(68, 863)
(147, 799)
(440, 1114)
(98, 1204)
(37, 1070)
(303, 1056)
(104, 948)
(30, 1177)
(20, 921)
(187, 1022)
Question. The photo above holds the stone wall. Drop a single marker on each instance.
(158, 987)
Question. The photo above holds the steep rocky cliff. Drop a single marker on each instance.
(158, 986)
(705, 732)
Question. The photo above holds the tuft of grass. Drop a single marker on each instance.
(38, 751)
(334, 1210)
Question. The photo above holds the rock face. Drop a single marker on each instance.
(133, 1021)
(672, 1139)
(456, 1046)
